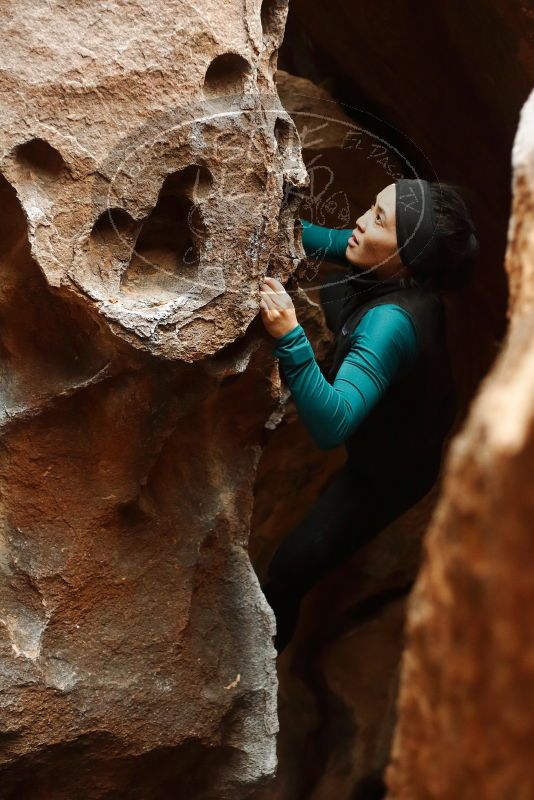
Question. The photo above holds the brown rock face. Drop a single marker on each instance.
(150, 177)
(146, 156)
(466, 727)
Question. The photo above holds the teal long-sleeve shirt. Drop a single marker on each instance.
(383, 347)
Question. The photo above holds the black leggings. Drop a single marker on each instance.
(351, 511)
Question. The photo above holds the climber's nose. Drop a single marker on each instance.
(358, 231)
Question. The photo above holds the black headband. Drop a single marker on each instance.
(416, 227)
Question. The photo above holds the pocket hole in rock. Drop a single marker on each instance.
(113, 233)
(194, 181)
(226, 75)
(40, 157)
(271, 266)
(167, 252)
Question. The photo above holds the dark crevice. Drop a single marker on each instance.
(371, 787)
(286, 135)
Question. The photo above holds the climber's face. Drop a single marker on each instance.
(374, 238)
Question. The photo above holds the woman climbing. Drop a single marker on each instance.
(387, 394)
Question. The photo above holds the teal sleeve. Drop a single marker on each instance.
(327, 243)
(384, 346)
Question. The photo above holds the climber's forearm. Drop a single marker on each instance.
(328, 412)
(384, 346)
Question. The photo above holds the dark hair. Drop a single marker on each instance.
(457, 237)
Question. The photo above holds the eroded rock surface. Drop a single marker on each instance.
(148, 148)
(145, 160)
(149, 178)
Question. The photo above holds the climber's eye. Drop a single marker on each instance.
(378, 217)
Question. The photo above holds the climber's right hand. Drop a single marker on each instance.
(277, 309)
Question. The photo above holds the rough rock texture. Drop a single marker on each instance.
(120, 121)
(146, 160)
(466, 727)
(149, 178)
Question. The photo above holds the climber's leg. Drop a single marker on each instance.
(331, 295)
(313, 547)
(350, 512)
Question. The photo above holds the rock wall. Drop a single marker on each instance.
(145, 161)
(465, 725)
(150, 177)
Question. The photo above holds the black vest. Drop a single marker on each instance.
(404, 433)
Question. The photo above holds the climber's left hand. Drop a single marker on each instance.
(277, 309)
